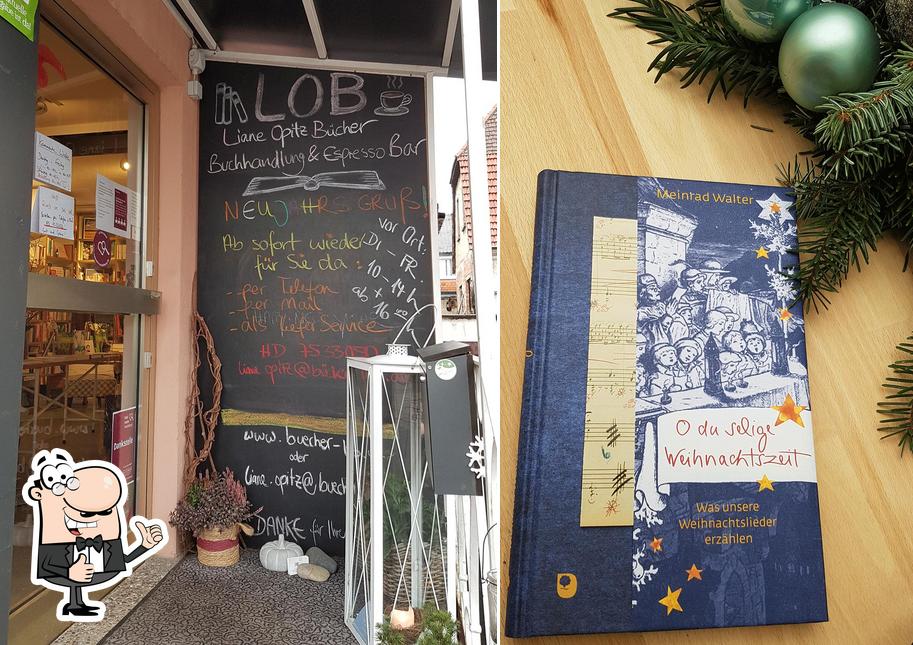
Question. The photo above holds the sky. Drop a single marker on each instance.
(450, 129)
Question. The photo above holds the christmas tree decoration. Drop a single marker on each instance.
(476, 456)
(763, 21)
(830, 49)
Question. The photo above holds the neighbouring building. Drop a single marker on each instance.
(446, 275)
(463, 225)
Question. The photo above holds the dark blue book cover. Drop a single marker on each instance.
(722, 498)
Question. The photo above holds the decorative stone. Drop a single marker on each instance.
(317, 556)
(313, 572)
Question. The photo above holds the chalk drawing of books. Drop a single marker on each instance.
(355, 179)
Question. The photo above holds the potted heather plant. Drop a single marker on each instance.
(214, 510)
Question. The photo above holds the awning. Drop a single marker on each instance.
(424, 33)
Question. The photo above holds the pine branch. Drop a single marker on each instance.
(897, 200)
(897, 408)
(804, 121)
(705, 47)
(862, 133)
(840, 223)
(868, 156)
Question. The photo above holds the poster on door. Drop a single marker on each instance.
(123, 442)
(115, 208)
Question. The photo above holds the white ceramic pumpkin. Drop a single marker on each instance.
(274, 555)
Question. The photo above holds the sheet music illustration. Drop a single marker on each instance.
(607, 493)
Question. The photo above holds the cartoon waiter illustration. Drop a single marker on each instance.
(79, 542)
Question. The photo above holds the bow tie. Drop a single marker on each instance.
(96, 543)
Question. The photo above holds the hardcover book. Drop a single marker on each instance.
(666, 469)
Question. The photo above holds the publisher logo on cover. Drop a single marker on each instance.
(566, 585)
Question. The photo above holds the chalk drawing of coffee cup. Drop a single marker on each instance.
(393, 103)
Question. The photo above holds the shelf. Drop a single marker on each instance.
(59, 262)
(91, 263)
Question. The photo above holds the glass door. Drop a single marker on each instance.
(82, 351)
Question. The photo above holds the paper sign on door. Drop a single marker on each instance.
(52, 213)
(53, 162)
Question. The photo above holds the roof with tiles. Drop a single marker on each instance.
(462, 159)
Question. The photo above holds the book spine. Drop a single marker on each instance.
(523, 542)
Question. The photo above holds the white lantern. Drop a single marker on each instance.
(396, 527)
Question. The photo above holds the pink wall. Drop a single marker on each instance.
(147, 34)
(176, 267)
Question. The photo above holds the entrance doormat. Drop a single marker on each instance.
(238, 604)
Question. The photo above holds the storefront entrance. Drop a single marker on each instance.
(150, 136)
(83, 382)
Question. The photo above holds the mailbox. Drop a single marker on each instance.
(452, 418)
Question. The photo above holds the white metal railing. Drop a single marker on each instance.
(476, 540)
(478, 546)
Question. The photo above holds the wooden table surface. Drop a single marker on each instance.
(58, 360)
(575, 96)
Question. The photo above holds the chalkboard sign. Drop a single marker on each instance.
(314, 245)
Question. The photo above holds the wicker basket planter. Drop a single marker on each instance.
(218, 546)
(402, 557)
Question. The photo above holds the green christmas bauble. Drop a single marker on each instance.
(828, 50)
(763, 21)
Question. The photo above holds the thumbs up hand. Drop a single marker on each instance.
(81, 570)
(150, 535)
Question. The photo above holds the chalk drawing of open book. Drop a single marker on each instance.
(356, 179)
